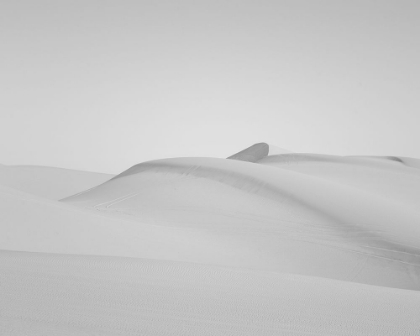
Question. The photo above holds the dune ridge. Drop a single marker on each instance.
(257, 152)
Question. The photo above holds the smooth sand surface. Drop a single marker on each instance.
(261, 243)
(53, 294)
(49, 182)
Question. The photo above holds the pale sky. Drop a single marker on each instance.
(103, 85)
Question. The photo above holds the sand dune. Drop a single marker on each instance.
(293, 222)
(257, 152)
(52, 183)
(391, 177)
(264, 243)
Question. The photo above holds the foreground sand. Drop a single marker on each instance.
(260, 244)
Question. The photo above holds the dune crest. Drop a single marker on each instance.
(257, 152)
(253, 153)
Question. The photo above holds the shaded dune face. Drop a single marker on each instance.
(252, 154)
(394, 178)
(280, 212)
(258, 152)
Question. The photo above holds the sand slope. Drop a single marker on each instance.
(286, 220)
(259, 244)
(49, 182)
(35, 224)
(50, 294)
(391, 177)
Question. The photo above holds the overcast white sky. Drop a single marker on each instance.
(102, 85)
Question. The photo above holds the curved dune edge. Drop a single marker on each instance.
(257, 152)
(253, 153)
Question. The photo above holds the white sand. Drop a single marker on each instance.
(52, 183)
(262, 244)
